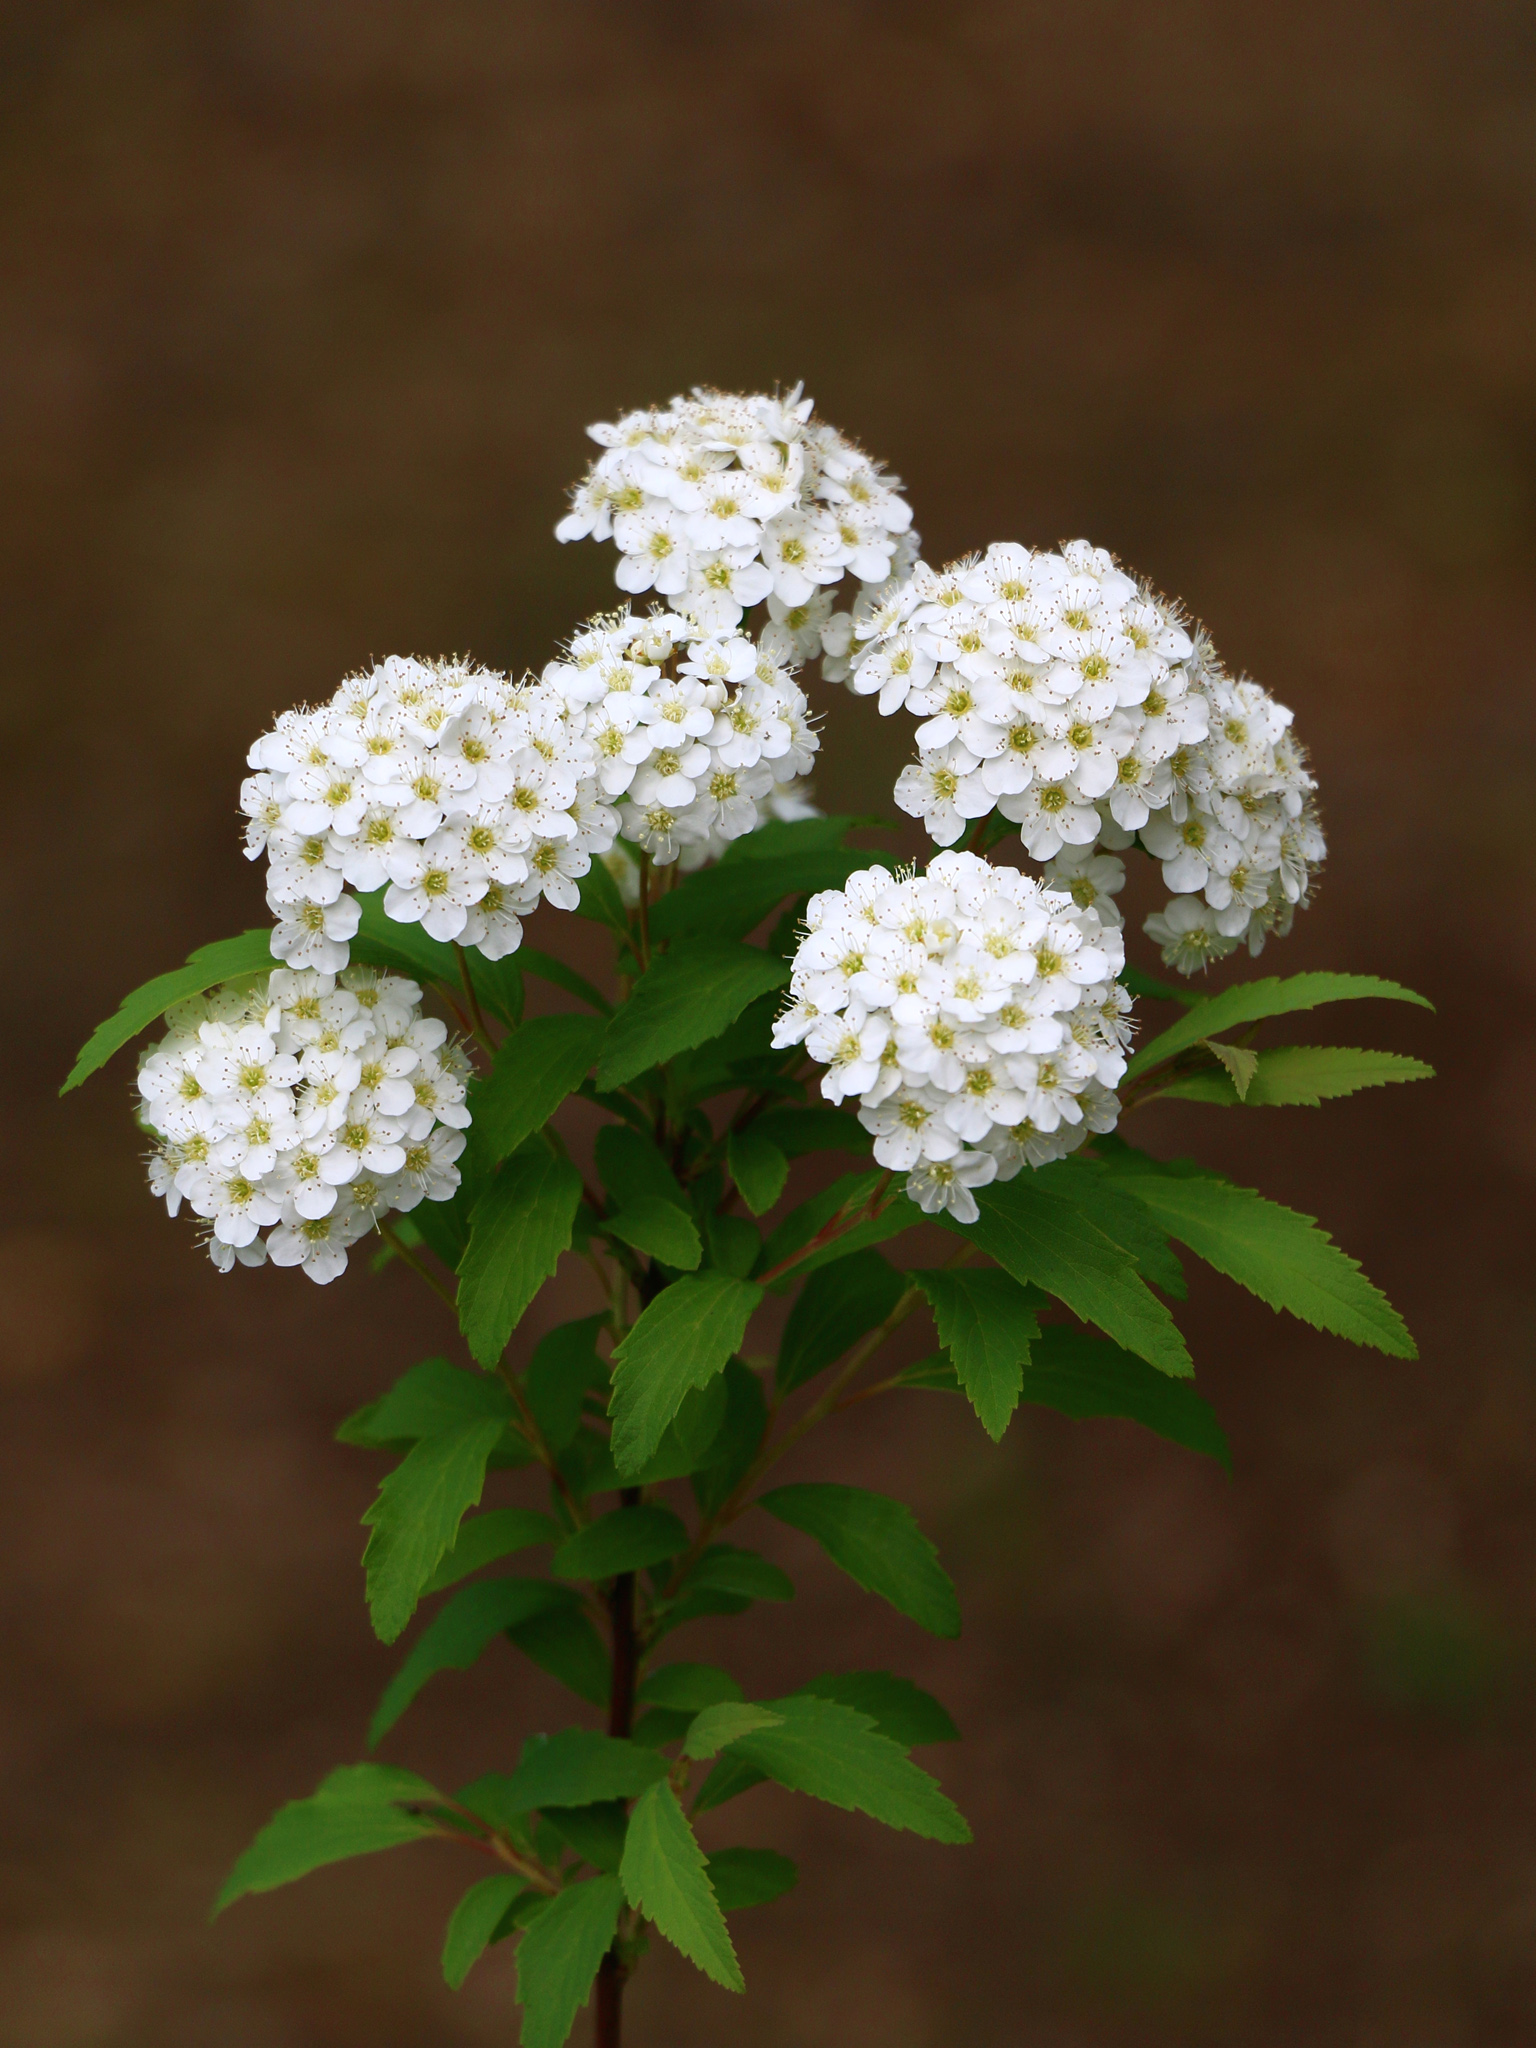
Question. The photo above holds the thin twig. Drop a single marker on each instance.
(477, 1015)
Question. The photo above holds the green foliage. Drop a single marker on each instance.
(522, 1224)
(602, 902)
(759, 1168)
(899, 1709)
(579, 1767)
(1239, 1062)
(1036, 1236)
(354, 1811)
(1081, 1375)
(633, 1169)
(850, 1197)
(814, 1128)
(1087, 1184)
(1145, 988)
(537, 1067)
(660, 1230)
(877, 1542)
(834, 1753)
(547, 968)
(713, 1728)
(687, 1687)
(739, 1439)
(415, 1519)
(664, 1876)
(564, 1368)
(559, 1955)
(486, 1539)
(729, 900)
(725, 1569)
(1277, 1254)
(1250, 1001)
(223, 960)
(681, 1340)
(688, 995)
(1301, 1074)
(626, 1540)
(749, 1877)
(475, 1923)
(563, 1642)
(455, 1637)
(429, 1399)
(987, 1324)
(837, 1306)
(595, 1832)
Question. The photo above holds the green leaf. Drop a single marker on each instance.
(223, 960)
(664, 1877)
(814, 1128)
(537, 1067)
(1144, 987)
(353, 1812)
(714, 1727)
(731, 899)
(847, 1198)
(1240, 1061)
(475, 1921)
(1038, 1237)
(687, 996)
(578, 1767)
(734, 1244)
(485, 1539)
(1277, 1254)
(687, 1687)
(838, 1305)
(682, 1339)
(522, 1224)
(833, 1753)
(554, 971)
(986, 1323)
(739, 1438)
(758, 1168)
(559, 1956)
(725, 1569)
(455, 1637)
(749, 1877)
(602, 902)
(432, 1397)
(877, 1543)
(632, 1168)
(564, 1643)
(660, 1230)
(564, 1368)
(1302, 1074)
(1086, 1184)
(780, 836)
(899, 1709)
(698, 1422)
(626, 1540)
(416, 1518)
(1251, 1000)
(595, 1832)
(1084, 1376)
(728, 1780)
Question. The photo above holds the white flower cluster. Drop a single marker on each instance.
(717, 502)
(974, 1013)
(465, 795)
(1058, 692)
(696, 736)
(305, 1109)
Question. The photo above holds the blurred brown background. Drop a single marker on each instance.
(305, 307)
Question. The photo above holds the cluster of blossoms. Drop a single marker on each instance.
(717, 503)
(467, 796)
(974, 1013)
(1055, 690)
(303, 1108)
(695, 736)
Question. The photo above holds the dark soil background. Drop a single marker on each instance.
(305, 307)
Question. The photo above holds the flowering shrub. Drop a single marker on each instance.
(765, 974)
